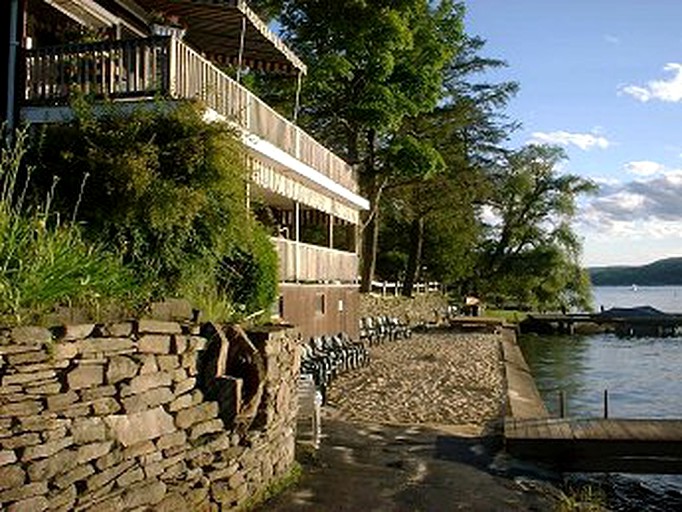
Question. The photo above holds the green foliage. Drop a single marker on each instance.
(584, 499)
(45, 263)
(167, 191)
(530, 255)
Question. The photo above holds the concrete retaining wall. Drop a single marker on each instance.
(110, 417)
(523, 398)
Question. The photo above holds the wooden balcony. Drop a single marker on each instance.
(166, 67)
(299, 262)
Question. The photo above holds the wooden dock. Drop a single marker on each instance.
(598, 445)
(632, 324)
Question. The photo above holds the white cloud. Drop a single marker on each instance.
(611, 39)
(584, 141)
(665, 90)
(644, 168)
(647, 208)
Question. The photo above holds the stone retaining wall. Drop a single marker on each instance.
(423, 308)
(110, 417)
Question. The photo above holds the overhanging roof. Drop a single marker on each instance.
(214, 27)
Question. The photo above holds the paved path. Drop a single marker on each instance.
(404, 435)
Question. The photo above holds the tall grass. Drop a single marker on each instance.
(45, 263)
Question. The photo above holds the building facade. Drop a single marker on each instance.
(139, 50)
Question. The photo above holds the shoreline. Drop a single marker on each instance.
(420, 428)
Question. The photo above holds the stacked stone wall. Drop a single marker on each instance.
(423, 308)
(110, 417)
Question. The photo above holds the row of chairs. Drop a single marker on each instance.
(375, 330)
(325, 357)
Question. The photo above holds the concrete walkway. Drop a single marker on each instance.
(416, 431)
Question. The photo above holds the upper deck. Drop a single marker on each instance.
(166, 67)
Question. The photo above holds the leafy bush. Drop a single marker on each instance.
(166, 190)
(44, 264)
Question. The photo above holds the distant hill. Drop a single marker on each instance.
(659, 273)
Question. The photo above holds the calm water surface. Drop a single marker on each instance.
(643, 377)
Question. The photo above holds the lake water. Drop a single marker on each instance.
(642, 375)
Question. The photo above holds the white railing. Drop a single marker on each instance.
(144, 68)
(391, 288)
(299, 262)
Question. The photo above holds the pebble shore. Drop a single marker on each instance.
(434, 378)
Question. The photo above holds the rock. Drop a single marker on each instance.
(85, 376)
(25, 378)
(143, 383)
(154, 344)
(206, 427)
(134, 428)
(46, 449)
(175, 439)
(11, 476)
(147, 494)
(199, 413)
(158, 327)
(92, 451)
(26, 408)
(59, 402)
(75, 475)
(36, 504)
(147, 400)
(105, 345)
(105, 406)
(87, 430)
(76, 332)
(119, 330)
(120, 368)
(24, 492)
(7, 457)
(30, 335)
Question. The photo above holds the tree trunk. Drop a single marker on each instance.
(370, 233)
(415, 256)
(370, 238)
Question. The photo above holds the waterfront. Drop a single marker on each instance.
(643, 377)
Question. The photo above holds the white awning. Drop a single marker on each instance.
(214, 27)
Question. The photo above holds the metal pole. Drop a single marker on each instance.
(241, 50)
(297, 104)
(606, 404)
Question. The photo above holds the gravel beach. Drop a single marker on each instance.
(409, 433)
(436, 377)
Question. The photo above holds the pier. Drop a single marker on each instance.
(582, 444)
(598, 445)
(640, 321)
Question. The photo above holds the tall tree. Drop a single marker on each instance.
(531, 252)
(372, 64)
(465, 132)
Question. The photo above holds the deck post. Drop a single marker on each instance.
(606, 404)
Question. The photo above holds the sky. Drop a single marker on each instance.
(603, 79)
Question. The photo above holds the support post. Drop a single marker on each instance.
(297, 237)
(297, 104)
(13, 50)
(606, 404)
(240, 58)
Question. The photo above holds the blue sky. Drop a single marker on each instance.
(602, 78)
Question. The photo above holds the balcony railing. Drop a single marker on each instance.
(167, 67)
(311, 263)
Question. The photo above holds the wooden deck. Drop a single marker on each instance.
(598, 445)
(664, 325)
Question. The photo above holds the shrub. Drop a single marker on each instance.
(166, 190)
(44, 263)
